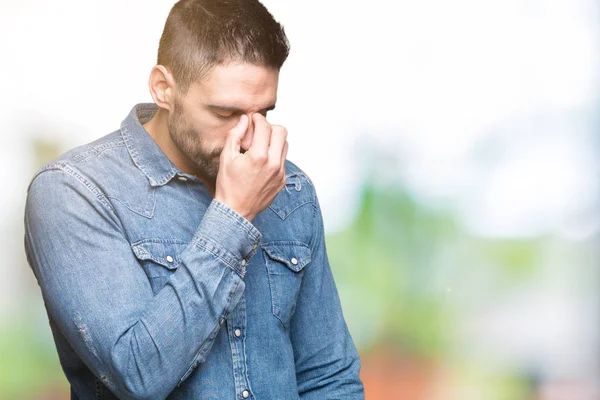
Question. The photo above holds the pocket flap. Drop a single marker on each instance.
(162, 251)
(294, 255)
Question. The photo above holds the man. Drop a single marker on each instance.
(182, 255)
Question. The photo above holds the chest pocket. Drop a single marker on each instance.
(285, 262)
(159, 258)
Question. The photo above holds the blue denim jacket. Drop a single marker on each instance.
(154, 289)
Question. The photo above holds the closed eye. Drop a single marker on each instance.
(226, 112)
(263, 113)
(224, 116)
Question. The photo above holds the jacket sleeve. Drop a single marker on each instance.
(142, 346)
(327, 363)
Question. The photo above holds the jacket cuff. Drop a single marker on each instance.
(228, 235)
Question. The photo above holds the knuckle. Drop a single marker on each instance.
(274, 164)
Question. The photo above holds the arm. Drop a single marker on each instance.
(99, 296)
(326, 360)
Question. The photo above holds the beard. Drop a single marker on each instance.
(192, 145)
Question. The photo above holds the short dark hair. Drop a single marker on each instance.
(201, 34)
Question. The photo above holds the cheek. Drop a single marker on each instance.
(212, 130)
(208, 126)
(213, 136)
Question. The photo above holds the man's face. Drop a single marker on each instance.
(200, 120)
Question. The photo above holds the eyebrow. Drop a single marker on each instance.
(236, 109)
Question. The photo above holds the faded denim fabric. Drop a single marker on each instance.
(154, 289)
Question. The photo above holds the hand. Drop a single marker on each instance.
(249, 182)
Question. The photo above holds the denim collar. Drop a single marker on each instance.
(144, 151)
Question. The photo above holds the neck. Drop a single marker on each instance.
(158, 128)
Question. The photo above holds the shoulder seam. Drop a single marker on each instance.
(65, 167)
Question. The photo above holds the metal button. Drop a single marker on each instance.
(244, 262)
(182, 178)
(170, 259)
(237, 333)
(245, 394)
(294, 261)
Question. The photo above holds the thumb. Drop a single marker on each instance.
(234, 138)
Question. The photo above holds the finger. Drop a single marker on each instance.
(284, 157)
(278, 138)
(262, 136)
(284, 154)
(247, 140)
(234, 138)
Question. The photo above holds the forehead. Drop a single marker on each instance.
(246, 86)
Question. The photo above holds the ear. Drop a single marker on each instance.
(162, 86)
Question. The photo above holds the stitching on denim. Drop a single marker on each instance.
(65, 167)
(142, 253)
(125, 134)
(231, 266)
(133, 151)
(153, 240)
(213, 334)
(276, 211)
(95, 151)
(251, 230)
(314, 224)
(270, 286)
(247, 383)
(284, 242)
(297, 184)
(147, 213)
(268, 265)
(272, 250)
